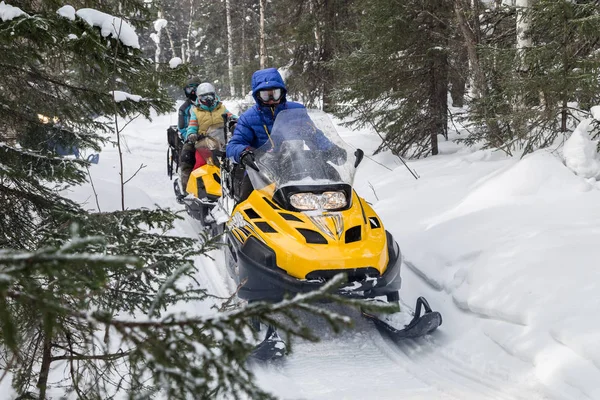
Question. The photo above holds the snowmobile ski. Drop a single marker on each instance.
(272, 348)
(420, 325)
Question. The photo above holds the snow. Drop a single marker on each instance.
(160, 24)
(8, 12)
(67, 12)
(110, 25)
(122, 96)
(71, 36)
(580, 152)
(595, 111)
(175, 62)
(505, 248)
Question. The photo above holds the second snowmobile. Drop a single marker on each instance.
(203, 188)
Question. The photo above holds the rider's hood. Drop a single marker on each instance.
(267, 78)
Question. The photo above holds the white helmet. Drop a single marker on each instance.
(205, 88)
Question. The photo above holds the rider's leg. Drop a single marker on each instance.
(186, 163)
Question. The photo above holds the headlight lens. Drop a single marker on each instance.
(312, 201)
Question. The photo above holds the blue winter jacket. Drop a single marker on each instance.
(255, 125)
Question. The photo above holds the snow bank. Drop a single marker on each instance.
(120, 96)
(110, 25)
(595, 112)
(536, 178)
(175, 62)
(580, 151)
(8, 12)
(514, 245)
(67, 12)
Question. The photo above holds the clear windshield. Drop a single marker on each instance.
(216, 132)
(304, 149)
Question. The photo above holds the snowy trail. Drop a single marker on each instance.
(483, 350)
(427, 368)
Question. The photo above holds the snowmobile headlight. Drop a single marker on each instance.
(312, 201)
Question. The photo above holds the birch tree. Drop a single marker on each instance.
(230, 49)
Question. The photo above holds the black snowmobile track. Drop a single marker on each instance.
(420, 325)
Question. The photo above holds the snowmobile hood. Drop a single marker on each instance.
(267, 78)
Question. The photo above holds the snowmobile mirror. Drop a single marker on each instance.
(359, 154)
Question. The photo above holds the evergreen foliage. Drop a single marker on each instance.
(533, 94)
(397, 78)
(88, 301)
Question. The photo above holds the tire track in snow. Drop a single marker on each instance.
(451, 373)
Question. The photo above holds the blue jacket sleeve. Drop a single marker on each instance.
(242, 138)
(322, 142)
(183, 118)
(192, 125)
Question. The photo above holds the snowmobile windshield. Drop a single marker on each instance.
(216, 132)
(304, 153)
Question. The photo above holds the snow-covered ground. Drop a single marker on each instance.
(506, 249)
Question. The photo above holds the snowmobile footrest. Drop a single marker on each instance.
(420, 325)
(272, 348)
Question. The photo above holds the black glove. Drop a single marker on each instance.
(248, 160)
(231, 125)
(336, 155)
(193, 138)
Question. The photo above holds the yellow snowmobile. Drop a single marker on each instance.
(203, 189)
(303, 224)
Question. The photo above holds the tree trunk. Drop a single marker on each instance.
(479, 79)
(522, 43)
(263, 51)
(439, 14)
(243, 55)
(327, 53)
(459, 74)
(42, 383)
(187, 54)
(564, 117)
(171, 43)
(230, 48)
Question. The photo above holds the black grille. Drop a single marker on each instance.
(354, 274)
(311, 236)
(251, 213)
(265, 227)
(353, 234)
(269, 202)
(290, 217)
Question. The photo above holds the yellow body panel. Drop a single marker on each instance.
(206, 172)
(295, 255)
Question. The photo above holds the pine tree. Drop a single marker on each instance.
(397, 78)
(531, 83)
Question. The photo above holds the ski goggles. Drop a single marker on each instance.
(208, 99)
(270, 94)
(189, 89)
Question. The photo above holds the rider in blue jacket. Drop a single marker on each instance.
(255, 125)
